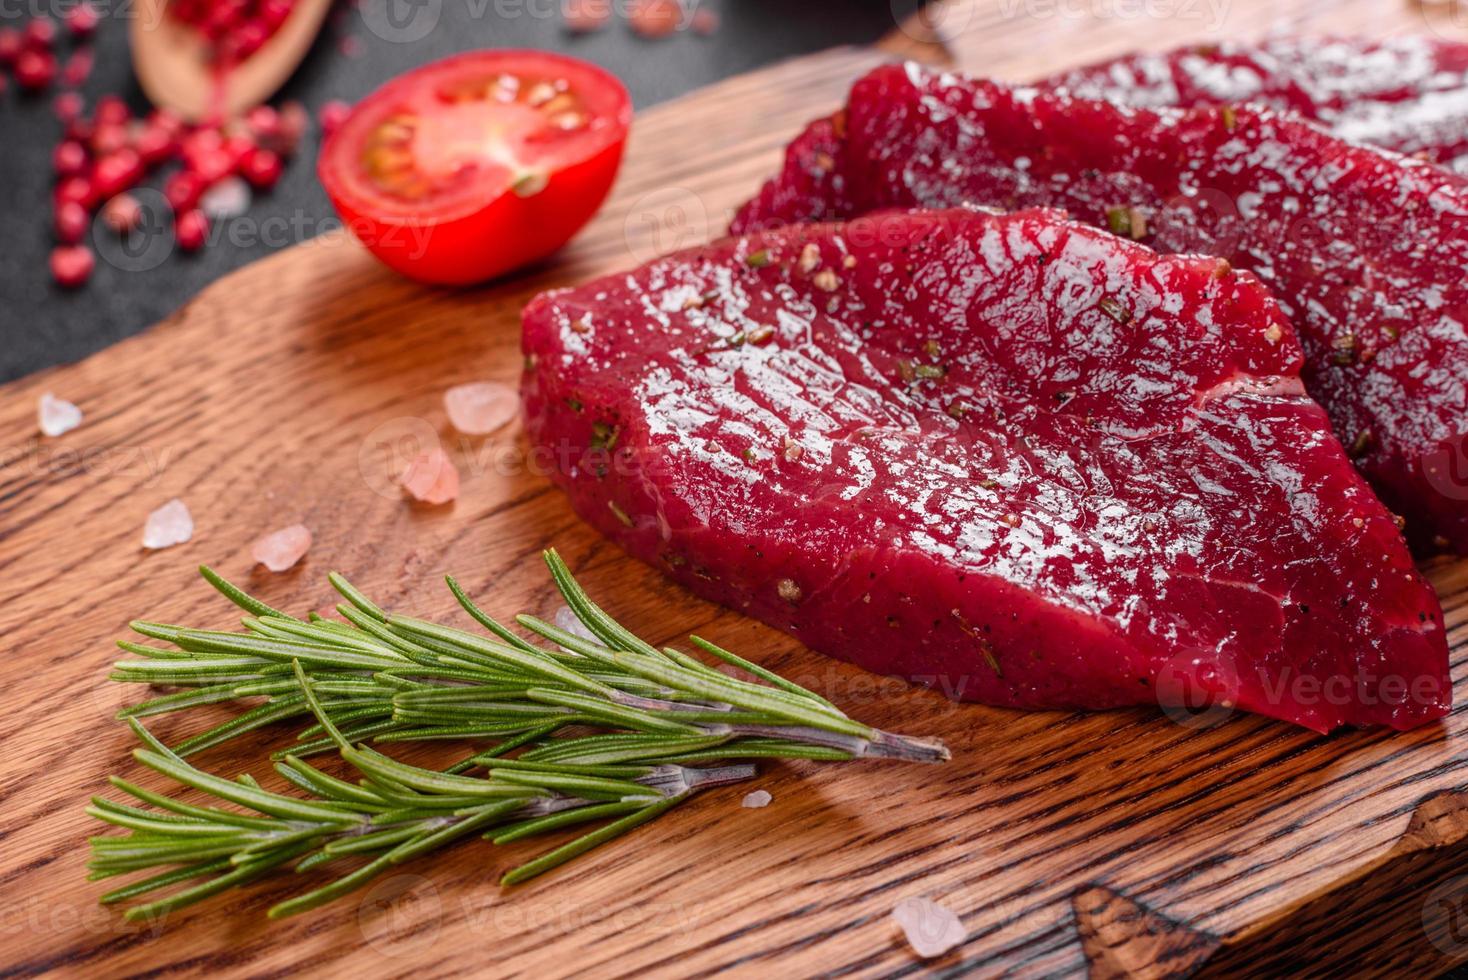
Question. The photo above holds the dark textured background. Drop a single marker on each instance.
(41, 325)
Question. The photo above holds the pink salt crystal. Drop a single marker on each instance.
(229, 198)
(280, 550)
(931, 929)
(756, 800)
(169, 525)
(481, 407)
(431, 478)
(571, 623)
(57, 416)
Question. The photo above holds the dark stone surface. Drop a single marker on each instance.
(41, 325)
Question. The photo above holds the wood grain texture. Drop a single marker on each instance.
(1119, 843)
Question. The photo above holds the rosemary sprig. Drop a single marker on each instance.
(672, 725)
(397, 678)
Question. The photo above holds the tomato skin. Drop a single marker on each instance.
(508, 232)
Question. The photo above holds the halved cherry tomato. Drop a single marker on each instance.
(477, 164)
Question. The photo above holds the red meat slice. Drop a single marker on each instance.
(1010, 456)
(1408, 94)
(1365, 250)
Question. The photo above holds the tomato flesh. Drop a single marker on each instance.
(481, 163)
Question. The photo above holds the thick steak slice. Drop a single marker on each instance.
(1013, 457)
(1365, 250)
(1408, 94)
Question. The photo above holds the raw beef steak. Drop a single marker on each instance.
(1365, 250)
(1012, 456)
(1408, 94)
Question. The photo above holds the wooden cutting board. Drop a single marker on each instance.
(1119, 843)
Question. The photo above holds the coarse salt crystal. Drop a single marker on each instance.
(810, 257)
(931, 929)
(229, 198)
(481, 407)
(568, 621)
(57, 416)
(431, 478)
(757, 800)
(280, 550)
(169, 525)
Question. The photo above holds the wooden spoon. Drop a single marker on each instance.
(171, 61)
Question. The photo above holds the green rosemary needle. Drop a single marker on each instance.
(398, 678)
(671, 726)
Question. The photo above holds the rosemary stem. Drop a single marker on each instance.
(581, 845)
(664, 727)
